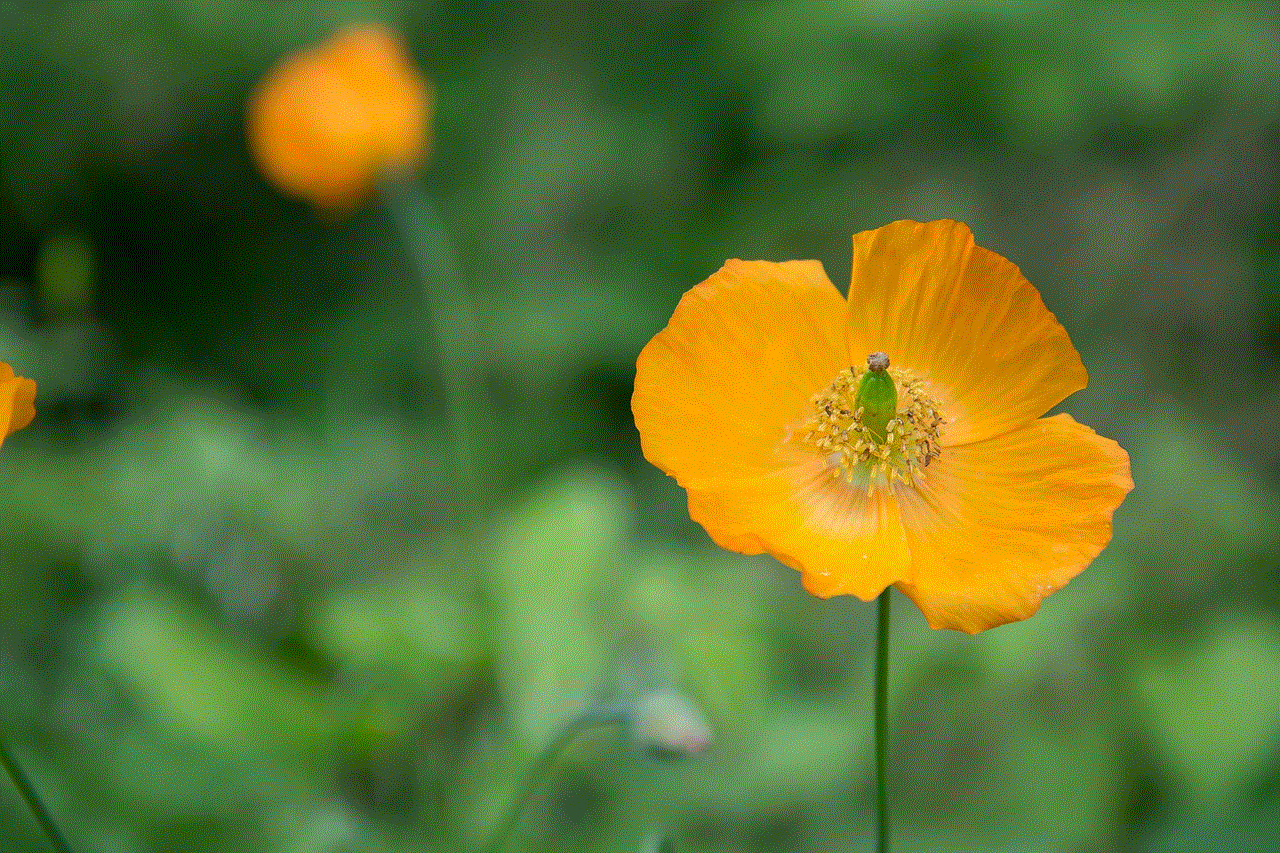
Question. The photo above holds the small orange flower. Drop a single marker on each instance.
(325, 123)
(771, 400)
(17, 401)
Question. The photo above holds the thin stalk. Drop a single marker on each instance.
(38, 811)
(450, 327)
(882, 721)
(449, 345)
(591, 718)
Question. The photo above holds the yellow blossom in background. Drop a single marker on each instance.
(891, 438)
(327, 122)
(17, 401)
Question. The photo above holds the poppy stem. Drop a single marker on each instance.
(38, 811)
(881, 717)
(601, 715)
(451, 333)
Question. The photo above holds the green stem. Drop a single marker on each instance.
(882, 721)
(451, 326)
(592, 718)
(29, 794)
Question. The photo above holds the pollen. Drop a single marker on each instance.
(852, 448)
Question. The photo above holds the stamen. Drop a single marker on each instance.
(865, 442)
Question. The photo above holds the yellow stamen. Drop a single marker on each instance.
(910, 441)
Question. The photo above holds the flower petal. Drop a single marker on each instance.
(966, 321)
(716, 394)
(842, 540)
(17, 401)
(742, 356)
(997, 525)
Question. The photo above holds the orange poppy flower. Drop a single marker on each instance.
(770, 399)
(325, 123)
(17, 401)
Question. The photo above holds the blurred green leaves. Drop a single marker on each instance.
(557, 564)
(234, 614)
(205, 687)
(1187, 689)
(66, 273)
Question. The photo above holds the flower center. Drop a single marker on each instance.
(875, 424)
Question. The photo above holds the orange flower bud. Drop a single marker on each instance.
(325, 123)
(17, 401)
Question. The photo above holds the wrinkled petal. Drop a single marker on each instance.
(739, 361)
(849, 542)
(17, 401)
(966, 321)
(717, 392)
(842, 540)
(997, 525)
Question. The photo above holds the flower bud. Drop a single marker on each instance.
(667, 724)
(326, 123)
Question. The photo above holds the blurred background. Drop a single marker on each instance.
(238, 611)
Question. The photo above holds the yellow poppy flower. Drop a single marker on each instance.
(325, 123)
(17, 401)
(769, 397)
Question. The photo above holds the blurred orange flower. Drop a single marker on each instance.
(326, 123)
(17, 401)
(925, 465)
